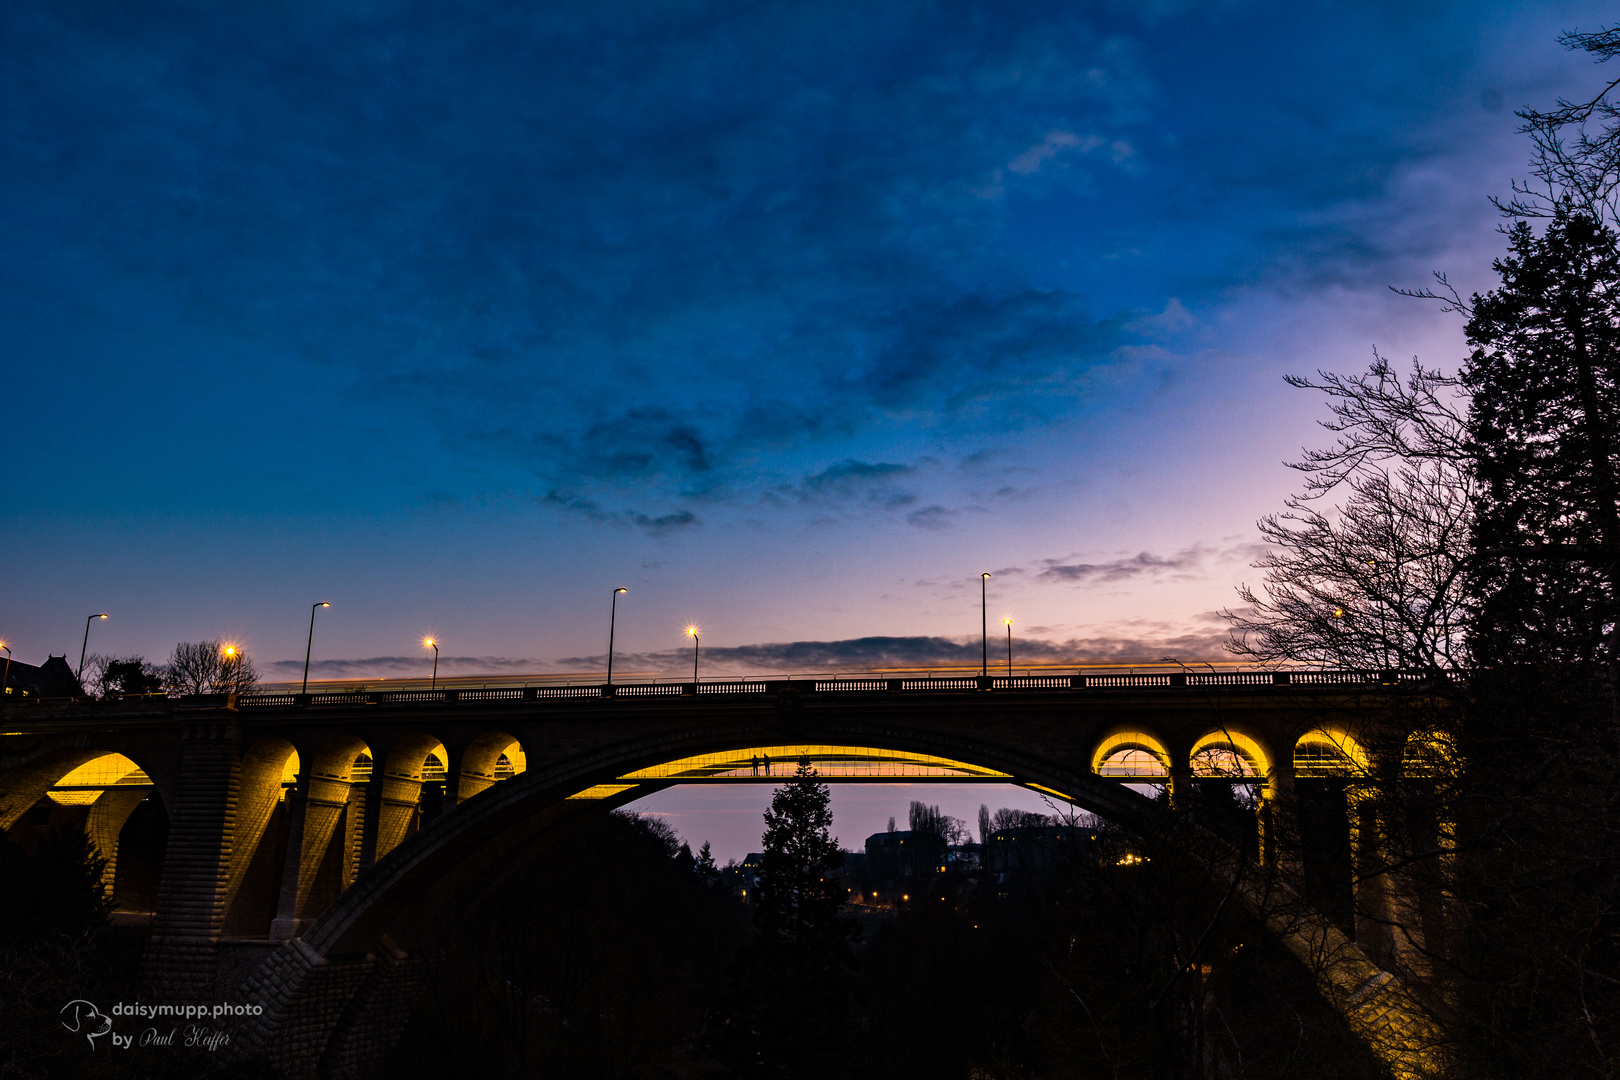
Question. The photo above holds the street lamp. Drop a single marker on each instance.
(310, 642)
(984, 626)
(1009, 646)
(231, 655)
(5, 680)
(434, 685)
(613, 613)
(78, 675)
(692, 632)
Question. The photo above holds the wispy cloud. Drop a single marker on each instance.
(1188, 564)
(373, 666)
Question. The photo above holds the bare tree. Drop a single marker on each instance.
(1377, 580)
(1576, 147)
(208, 667)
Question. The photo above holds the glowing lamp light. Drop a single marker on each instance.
(1338, 613)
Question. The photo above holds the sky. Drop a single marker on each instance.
(790, 318)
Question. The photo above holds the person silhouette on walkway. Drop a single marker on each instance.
(755, 761)
(767, 764)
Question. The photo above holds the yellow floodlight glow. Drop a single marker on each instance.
(1008, 622)
(428, 643)
(691, 631)
(831, 762)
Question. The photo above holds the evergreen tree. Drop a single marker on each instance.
(793, 1014)
(1545, 378)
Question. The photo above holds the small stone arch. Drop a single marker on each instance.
(488, 759)
(1330, 752)
(1228, 752)
(268, 767)
(415, 759)
(1430, 754)
(1131, 752)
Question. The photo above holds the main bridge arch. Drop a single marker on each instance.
(468, 851)
(336, 997)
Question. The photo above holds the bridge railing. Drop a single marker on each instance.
(1188, 679)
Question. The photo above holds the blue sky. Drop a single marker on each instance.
(790, 318)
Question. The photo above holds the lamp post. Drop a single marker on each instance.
(1009, 646)
(984, 626)
(78, 675)
(434, 685)
(692, 632)
(231, 655)
(613, 613)
(310, 642)
(5, 680)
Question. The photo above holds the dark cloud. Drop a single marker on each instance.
(674, 255)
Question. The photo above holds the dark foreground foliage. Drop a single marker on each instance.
(604, 958)
(57, 946)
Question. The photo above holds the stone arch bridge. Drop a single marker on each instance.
(296, 850)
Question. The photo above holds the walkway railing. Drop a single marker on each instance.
(1180, 681)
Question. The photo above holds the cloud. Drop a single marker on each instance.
(1145, 644)
(666, 258)
(374, 666)
(1188, 564)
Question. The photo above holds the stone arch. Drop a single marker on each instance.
(1429, 754)
(324, 820)
(96, 790)
(342, 993)
(27, 784)
(399, 787)
(1330, 752)
(267, 767)
(1131, 752)
(1225, 750)
(481, 763)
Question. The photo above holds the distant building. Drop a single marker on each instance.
(742, 877)
(896, 857)
(52, 679)
(1032, 851)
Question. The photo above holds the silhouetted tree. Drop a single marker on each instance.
(931, 820)
(106, 676)
(1545, 381)
(792, 1014)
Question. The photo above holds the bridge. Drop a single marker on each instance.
(299, 850)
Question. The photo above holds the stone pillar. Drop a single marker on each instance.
(285, 925)
(1368, 855)
(354, 826)
(316, 808)
(180, 953)
(1181, 787)
(369, 818)
(400, 797)
(1279, 824)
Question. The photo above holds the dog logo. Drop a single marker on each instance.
(83, 1018)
